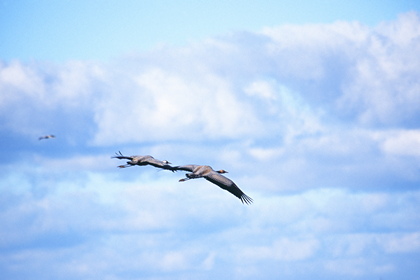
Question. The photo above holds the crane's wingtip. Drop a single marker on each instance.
(246, 199)
(118, 155)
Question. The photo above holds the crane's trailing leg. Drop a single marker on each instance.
(190, 176)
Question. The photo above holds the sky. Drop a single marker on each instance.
(313, 107)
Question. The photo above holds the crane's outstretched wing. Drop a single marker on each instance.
(189, 167)
(160, 164)
(229, 185)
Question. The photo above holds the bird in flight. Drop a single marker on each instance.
(216, 177)
(46, 137)
(144, 160)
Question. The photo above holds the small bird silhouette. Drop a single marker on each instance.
(46, 137)
(206, 172)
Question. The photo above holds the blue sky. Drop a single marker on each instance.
(312, 106)
(66, 30)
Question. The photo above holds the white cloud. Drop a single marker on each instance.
(261, 89)
(385, 75)
(305, 75)
(402, 243)
(404, 143)
(357, 267)
(165, 106)
(16, 78)
(283, 249)
(153, 223)
(377, 68)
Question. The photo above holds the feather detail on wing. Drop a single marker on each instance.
(155, 162)
(229, 185)
(189, 167)
(119, 155)
(159, 163)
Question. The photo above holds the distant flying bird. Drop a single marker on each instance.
(144, 160)
(206, 172)
(46, 137)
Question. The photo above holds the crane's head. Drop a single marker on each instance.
(221, 171)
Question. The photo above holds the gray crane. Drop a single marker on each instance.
(206, 172)
(144, 160)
